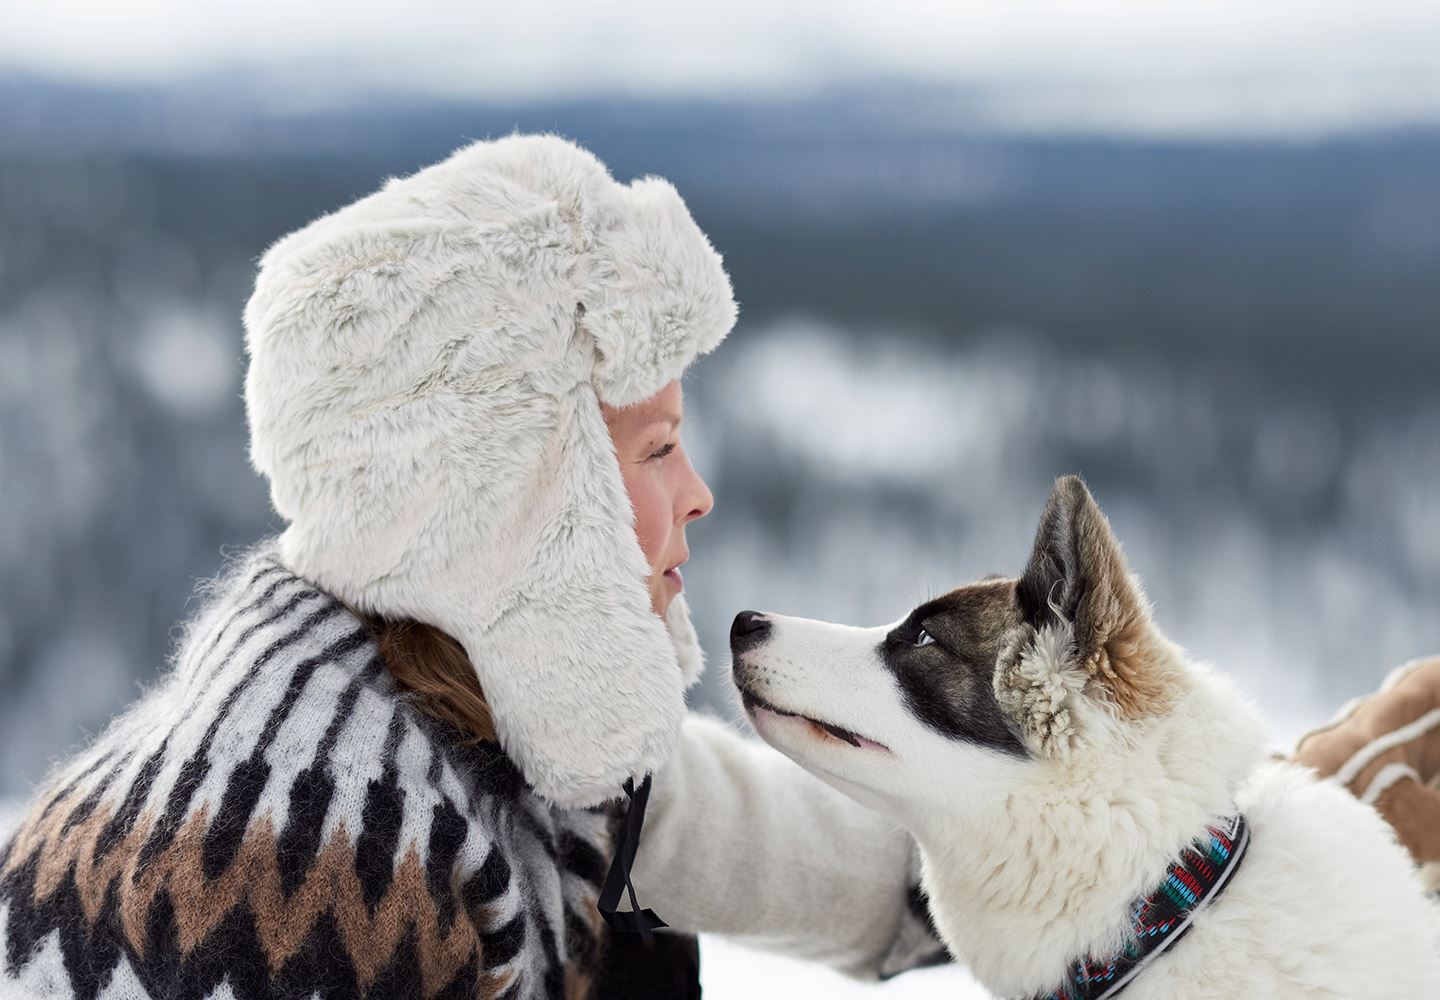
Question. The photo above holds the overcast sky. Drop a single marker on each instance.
(1269, 67)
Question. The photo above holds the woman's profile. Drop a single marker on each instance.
(392, 752)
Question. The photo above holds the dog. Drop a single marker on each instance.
(1095, 813)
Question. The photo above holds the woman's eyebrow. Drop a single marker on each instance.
(669, 425)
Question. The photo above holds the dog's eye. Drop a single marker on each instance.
(924, 638)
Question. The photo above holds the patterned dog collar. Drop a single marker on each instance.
(1160, 919)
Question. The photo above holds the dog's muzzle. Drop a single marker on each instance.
(750, 629)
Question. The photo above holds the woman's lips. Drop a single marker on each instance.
(673, 575)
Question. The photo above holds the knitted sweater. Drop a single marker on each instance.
(276, 819)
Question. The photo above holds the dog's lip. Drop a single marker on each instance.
(753, 701)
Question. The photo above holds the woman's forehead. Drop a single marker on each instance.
(666, 406)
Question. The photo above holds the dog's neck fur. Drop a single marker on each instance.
(1104, 825)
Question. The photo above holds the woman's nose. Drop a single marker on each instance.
(706, 503)
(699, 500)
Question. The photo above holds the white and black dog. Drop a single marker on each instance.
(1095, 812)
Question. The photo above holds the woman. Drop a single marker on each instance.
(388, 759)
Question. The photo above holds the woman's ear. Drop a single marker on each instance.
(1077, 579)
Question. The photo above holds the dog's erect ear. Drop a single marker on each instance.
(1075, 551)
(1077, 575)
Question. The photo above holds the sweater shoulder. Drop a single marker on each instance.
(277, 797)
(275, 701)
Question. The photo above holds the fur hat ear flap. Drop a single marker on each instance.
(1077, 581)
(687, 644)
(654, 293)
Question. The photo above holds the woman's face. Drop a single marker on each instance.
(665, 491)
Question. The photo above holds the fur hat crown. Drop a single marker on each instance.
(425, 371)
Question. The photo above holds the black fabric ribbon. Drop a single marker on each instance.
(617, 879)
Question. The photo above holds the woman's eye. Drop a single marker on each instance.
(662, 452)
(924, 638)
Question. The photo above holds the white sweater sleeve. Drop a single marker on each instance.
(742, 842)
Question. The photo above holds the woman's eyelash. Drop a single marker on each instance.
(662, 452)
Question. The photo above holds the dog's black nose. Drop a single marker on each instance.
(749, 629)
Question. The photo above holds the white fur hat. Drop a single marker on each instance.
(426, 366)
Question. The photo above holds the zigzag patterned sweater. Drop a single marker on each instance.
(274, 819)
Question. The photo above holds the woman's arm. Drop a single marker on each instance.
(740, 841)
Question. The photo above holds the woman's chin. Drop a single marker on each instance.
(664, 589)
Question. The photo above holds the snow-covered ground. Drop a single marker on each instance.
(730, 972)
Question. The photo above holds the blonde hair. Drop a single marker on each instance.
(433, 667)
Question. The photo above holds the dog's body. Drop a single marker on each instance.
(1052, 753)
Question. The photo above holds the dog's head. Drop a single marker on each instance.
(1041, 681)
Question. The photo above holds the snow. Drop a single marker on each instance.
(731, 972)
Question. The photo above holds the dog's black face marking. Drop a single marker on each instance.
(948, 683)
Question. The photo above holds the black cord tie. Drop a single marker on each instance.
(634, 920)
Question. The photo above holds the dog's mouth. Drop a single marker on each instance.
(755, 703)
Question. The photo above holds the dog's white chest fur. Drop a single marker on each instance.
(1324, 905)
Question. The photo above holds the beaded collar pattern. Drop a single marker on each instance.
(1160, 919)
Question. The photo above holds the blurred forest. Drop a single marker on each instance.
(1237, 342)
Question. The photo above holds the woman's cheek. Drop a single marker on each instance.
(651, 518)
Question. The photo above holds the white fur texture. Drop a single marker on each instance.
(1032, 863)
(426, 367)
